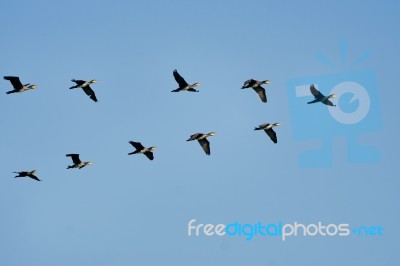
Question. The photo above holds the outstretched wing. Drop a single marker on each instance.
(194, 136)
(74, 157)
(272, 135)
(179, 79)
(261, 93)
(247, 84)
(149, 155)
(328, 102)
(34, 177)
(90, 93)
(205, 144)
(137, 145)
(22, 173)
(14, 81)
(78, 82)
(317, 94)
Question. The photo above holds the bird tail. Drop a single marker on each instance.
(257, 128)
(73, 87)
(176, 90)
(134, 152)
(9, 92)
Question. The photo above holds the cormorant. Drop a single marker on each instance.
(84, 85)
(141, 149)
(319, 97)
(18, 87)
(183, 85)
(202, 139)
(77, 162)
(268, 129)
(30, 174)
(256, 85)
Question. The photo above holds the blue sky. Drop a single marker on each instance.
(126, 210)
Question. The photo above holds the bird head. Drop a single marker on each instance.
(196, 84)
(266, 82)
(33, 86)
(276, 124)
(92, 81)
(332, 96)
(153, 148)
(89, 163)
(211, 134)
(33, 172)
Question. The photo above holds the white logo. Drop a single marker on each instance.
(359, 93)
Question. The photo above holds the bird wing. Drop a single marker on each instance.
(272, 135)
(14, 81)
(194, 136)
(328, 102)
(90, 93)
(261, 93)
(78, 82)
(246, 84)
(137, 145)
(149, 155)
(34, 177)
(179, 79)
(74, 157)
(317, 94)
(205, 144)
(262, 126)
(22, 173)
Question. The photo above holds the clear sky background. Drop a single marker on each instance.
(128, 210)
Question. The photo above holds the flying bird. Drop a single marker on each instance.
(18, 86)
(85, 86)
(183, 85)
(319, 97)
(202, 139)
(30, 174)
(256, 85)
(268, 129)
(141, 149)
(77, 162)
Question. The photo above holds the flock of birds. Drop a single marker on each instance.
(18, 87)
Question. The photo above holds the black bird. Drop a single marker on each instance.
(77, 162)
(183, 85)
(202, 139)
(18, 87)
(268, 129)
(256, 85)
(30, 174)
(84, 85)
(319, 97)
(141, 149)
